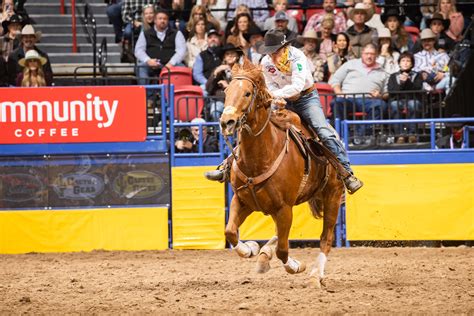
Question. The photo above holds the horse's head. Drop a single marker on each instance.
(245, 93)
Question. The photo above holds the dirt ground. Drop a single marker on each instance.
(360, 280)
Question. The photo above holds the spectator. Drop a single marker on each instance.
(438, 25)
(196, 43)
(281, 5)
(190, 143)
(33, 74)
(455, 139)
(327, 38)
(448, 9)
(259, 16)
(427, 8)
(3, 73)
(241, 8)
(254, 36)
(28, 42)
(387, 57)
(341, 53)
(243, 23)
(309, 39)
(408, 8)
(432, 64)
(208, 59)
(114, 12)
(329, 7)
(158, 47)
(179, 12)
(405, 80)
(281, 24)
(148, 14)
(392, 20)
(362, 76)
(374, 21)
(7, 11)
(198, 13)
(11, 36)
(360, 34)
(131, 16)
(220, 79)
(213, 6)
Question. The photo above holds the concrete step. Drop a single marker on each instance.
(41, 7)
(67, 69)
(64, 58)
(67, 38)
(66, 18)
(81, 48)
(67, 28)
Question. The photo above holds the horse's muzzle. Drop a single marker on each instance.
(228, 127)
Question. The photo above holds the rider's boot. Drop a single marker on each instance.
(352, 184)
(222, 173)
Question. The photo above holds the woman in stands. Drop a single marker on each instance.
(236, 38)
(448, 10)
(200, 12)
(32, 75)
(327, 38)
(401, 40)
(196, 43)
(388, 57)
(148, 15)
(11, 36)
(216, 5)
(241, 8)
(342, 52)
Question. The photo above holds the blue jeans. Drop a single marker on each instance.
(411, 106)
(371, 107)
(309, 108)
(114, 12)
(217, 107)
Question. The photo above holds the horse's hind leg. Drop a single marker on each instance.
(237, 216)
(283, 219)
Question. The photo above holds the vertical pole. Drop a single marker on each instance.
(74, 31)
(62, 10)
(94, 47)
(432, 134)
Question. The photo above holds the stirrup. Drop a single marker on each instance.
(216, 175)
(352, 184)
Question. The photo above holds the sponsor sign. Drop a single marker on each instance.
(138, 184)
(78, 186)
(72, 115)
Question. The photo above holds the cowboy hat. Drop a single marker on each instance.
(309, 34)
(32, 55)
(360, 7)
(384, 33)
(231, 48)
(253, 30)
(13, 19)
(273, 41)
(29, 30)
(392, 12)
(439, 17)
(427, 34)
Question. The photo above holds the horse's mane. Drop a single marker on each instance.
(253, 72)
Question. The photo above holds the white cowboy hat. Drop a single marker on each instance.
(29, 30)
(427, 34)
(360, 7)
(384, 33)
(309, 34)
(32, 55)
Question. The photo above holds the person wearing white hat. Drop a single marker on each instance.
(432, 63)
(388, 57)
(310, 39)
(29, 38)
(373, 19)
(189, 142)
(360, 33)
(33, 74)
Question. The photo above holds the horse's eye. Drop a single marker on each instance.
(247, 94)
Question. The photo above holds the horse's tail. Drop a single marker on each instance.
(316, 206)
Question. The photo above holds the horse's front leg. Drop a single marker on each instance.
(237, 216)
(283, 219)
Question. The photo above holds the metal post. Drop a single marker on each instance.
(94, 46)
(62, 10)
(432, 134)
(74, 30)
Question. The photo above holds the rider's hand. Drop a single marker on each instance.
(279, 103)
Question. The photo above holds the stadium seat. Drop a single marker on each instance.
(298, 15)
(188, 102)
(414, 32)
(179, 76)
(326, 94)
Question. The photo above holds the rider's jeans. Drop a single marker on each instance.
(309, 108)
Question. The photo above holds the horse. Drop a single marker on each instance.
(268, 175)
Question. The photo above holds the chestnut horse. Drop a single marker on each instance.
(268, 175)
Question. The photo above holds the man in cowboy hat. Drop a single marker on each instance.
(289, 80)
(439, 25)
(281, 24)
(208, 59)
(10, 39)
(29, 38)
(432, 63)
(310, 40)
(329, 7)
(360, 34)
(254, 36)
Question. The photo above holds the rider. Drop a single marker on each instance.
(289, 79)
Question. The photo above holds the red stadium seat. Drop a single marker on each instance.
(414, 32)
(188, 102)
(179, 76)
(326, 94)
(312, 11)
(298, 15)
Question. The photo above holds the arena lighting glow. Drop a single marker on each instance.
(91, 109)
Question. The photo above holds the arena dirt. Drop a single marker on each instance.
(360, 280)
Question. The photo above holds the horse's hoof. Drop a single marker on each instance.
(294, 266)
(254, 247)
(263, 263)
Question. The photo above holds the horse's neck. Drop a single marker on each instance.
(257, 153)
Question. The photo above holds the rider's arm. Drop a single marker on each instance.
(299, 69)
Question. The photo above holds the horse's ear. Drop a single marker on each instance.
(235, 69)
(247, 64)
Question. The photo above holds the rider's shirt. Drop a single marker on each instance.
(286, 85)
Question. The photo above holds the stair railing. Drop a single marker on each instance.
(90, 26)
(103, 57)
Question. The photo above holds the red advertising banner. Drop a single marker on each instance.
(72, 115)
